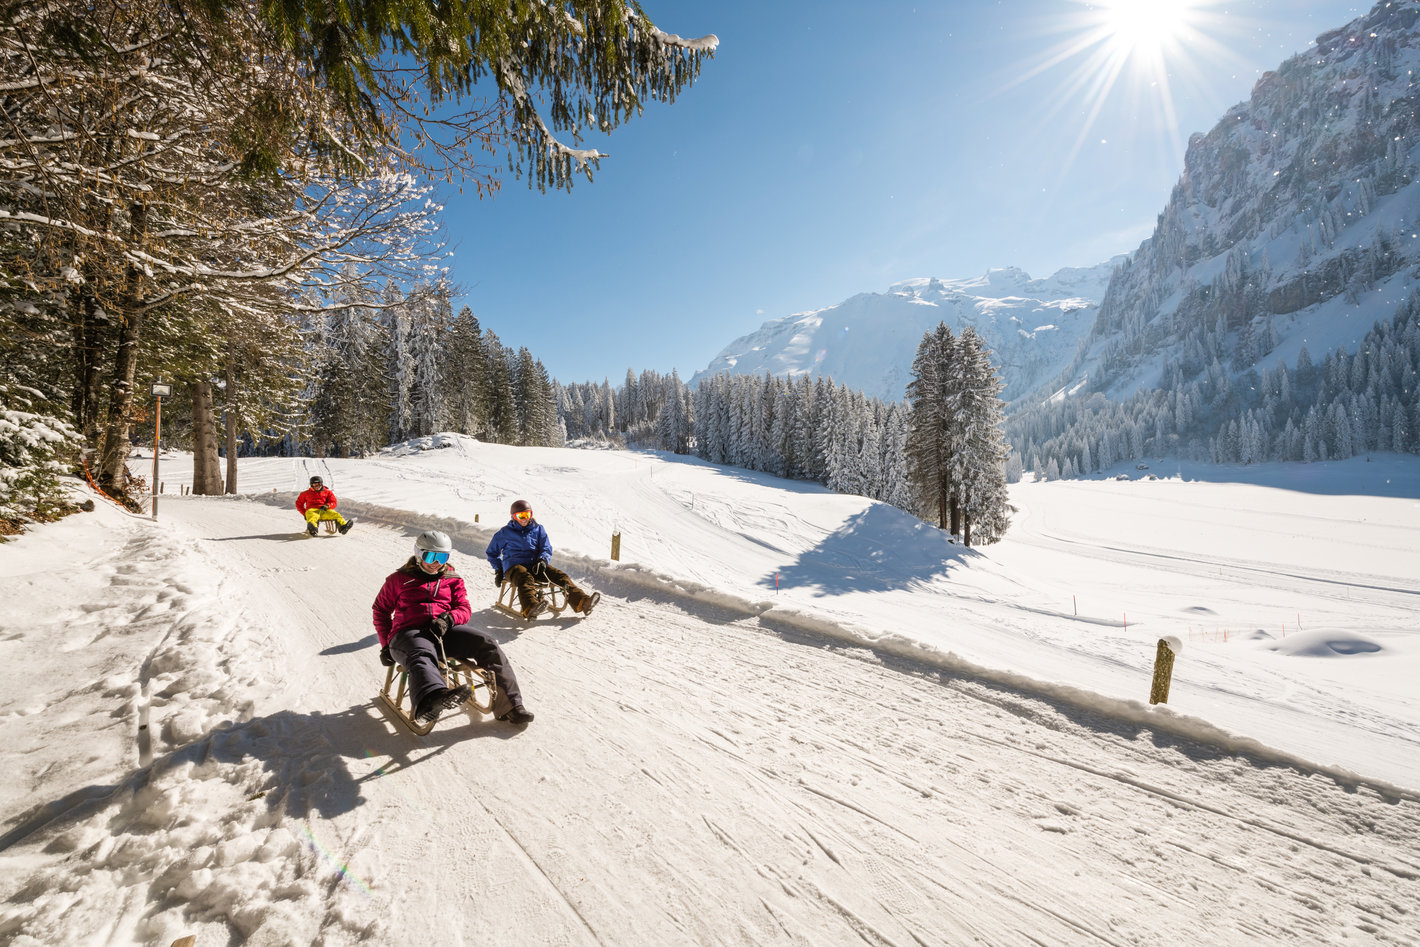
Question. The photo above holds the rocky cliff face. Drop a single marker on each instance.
(1294, 218)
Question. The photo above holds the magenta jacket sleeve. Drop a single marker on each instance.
(385, 603)
(459, 609)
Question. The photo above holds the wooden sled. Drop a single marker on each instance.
(327, 525)
(456, 671)
(554, 595)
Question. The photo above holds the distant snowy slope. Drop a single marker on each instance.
(1033, 327)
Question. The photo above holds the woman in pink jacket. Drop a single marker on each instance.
(425, 600)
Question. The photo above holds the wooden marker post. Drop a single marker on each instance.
(616, 547)
(1163, 673)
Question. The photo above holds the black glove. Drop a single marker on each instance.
(441, 624)
(386, 658)
(498, 577)
(540, 571)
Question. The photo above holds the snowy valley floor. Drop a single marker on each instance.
(193, 748)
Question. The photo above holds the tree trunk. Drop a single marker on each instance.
(956, 517)
(88, 380)
(966, 530)
(231, 412)
(114, 451)
(114, 446)
(206, 469)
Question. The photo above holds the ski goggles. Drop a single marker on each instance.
(522, 516)
(430, 557)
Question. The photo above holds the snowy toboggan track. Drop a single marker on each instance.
(696, 774)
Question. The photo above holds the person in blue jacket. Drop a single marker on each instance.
(522, 553)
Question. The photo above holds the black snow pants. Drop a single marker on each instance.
(417, 650)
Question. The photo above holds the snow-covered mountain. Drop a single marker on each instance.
(1288, 241)
(1033, 326)
(1273, 314)
(1293, 222)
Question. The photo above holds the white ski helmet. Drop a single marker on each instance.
(431, 540)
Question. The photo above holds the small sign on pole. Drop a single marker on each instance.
(159, 392)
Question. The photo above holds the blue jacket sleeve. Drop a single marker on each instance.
(544, 544)
(494, 552)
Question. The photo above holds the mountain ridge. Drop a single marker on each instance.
(868, 340)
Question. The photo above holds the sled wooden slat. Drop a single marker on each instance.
(396, 696)
(554, 595)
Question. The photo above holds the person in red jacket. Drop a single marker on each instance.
(318, 503)
(423, 601)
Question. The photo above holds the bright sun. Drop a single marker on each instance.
(1130, 54)
(1144, 27)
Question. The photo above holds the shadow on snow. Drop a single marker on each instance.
(878, 550)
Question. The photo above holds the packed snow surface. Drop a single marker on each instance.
(795, 718)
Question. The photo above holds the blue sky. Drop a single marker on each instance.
(833, 148)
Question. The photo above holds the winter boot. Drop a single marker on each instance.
(590, 602)
(445, 698)
(310, 529)
(519, 715)
(538, 606)
(345, 526)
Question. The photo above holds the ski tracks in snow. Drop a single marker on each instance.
(161, 678)
(694, 776)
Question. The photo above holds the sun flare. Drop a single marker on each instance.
(1128, 55)
(1146, 27)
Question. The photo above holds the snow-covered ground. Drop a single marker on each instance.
(796, 718)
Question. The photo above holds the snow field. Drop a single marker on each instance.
(195, 824)
(712, 762)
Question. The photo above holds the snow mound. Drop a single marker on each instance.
(1326, 643)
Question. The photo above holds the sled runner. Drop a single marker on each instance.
(554, 596)
(456, 671)
(328, 526)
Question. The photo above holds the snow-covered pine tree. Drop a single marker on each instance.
(501, 426)
(896, 482)
(870, 449)
(781, 427)
(36, 449)
(463, 372)
(399, 364)
(532, 397)
(932, 446)
(711, 407)
(675, 420)
(430, 309)
(983, 450)
(806, 415)
(593, 425)
(350, 396)
(628, 403)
